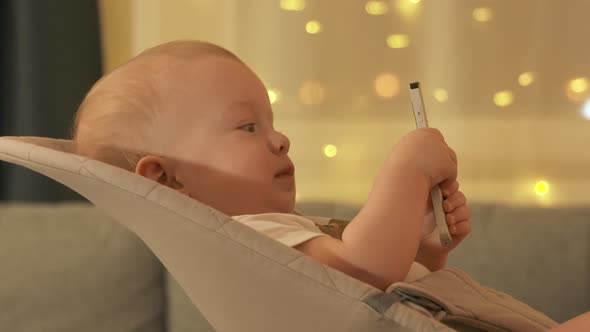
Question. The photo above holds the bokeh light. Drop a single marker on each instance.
(503, 98)
(293, 5)
(586, 110)
(312, 93)
(482, 14)
(527, 78)
(407, 8)
(577, 89)
(579, 85)
(387, 85)
(398, 41)
(441, 95)
(273, 95)
(541, 188)
(313, 27)
(330, 150)
(376, 7)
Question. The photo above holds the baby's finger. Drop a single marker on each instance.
(448, 187)
(460, 214)
(454, 201)
(461, 229)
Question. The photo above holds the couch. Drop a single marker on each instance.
(69, 267)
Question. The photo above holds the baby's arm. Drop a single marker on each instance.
(576, 324)
(384, 237)
(380, 243)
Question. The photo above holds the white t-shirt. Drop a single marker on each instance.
(291, 230)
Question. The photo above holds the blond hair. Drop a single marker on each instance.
(115, 121)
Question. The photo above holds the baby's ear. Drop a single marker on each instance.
(157, 169)
(151, 167)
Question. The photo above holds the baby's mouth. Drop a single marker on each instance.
(287, 171)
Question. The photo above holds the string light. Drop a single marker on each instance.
(541, 188)
(398, 41)
(407, 8)
(586, 110)
(503, 98)
(330, 150)
(376, 7)
(482, 14)
(441, 95)
(579, 85)
(526, 79)
(292, 5)
(313, 27)
(387, 85)
(577, 89)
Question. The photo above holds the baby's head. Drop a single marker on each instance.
(191, 116)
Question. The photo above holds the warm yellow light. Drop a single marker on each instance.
(313, 27)
(330, 150)
(586, 110)
(441, 95)
(407, 8)
(577, 89)
(503, 98)
(376, 7)
(579, 85)
(398, 41)
(482, 14)
(387, 85)
(541, 188)
(273, 95)
(526, 79)
(293, 5)
(312, 93)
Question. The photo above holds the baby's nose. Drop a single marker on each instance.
(280, 143)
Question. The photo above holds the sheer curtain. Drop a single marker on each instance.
(505, 81)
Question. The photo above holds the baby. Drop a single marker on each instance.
(192, 116)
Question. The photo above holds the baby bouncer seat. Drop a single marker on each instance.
(240, 279)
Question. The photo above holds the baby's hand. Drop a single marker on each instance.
(458, 218)
(457, 213)
(426, 151)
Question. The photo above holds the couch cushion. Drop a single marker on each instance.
(69, 267)
(540, 256)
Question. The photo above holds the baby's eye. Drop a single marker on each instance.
(250, 127)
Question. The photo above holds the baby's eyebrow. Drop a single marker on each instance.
(247, 105)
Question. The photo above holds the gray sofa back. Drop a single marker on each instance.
(69, 267)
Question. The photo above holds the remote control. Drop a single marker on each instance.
(435, 193)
